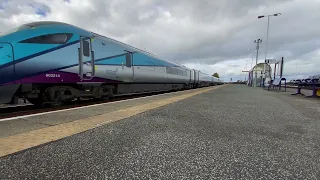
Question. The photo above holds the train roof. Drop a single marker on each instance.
(35, 24)
(43, 23)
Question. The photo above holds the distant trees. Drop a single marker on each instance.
(215, 75)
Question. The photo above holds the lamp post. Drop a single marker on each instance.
(266, 51)
(256, 72)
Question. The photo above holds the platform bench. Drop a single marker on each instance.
(314, 83)
(276, 83)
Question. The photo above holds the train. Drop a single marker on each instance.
(49, 62)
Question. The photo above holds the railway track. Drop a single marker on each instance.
(22, 110)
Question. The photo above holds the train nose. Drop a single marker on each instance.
(5, 53)
(6, 63)
(7, 87)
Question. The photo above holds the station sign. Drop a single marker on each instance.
(271, 61)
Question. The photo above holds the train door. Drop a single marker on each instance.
(126, 72)
(7, 73)
(196, 76)
(6, 56)
(86, 59)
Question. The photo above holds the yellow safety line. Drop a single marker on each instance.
(19, 142)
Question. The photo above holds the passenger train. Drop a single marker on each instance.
(53, 62)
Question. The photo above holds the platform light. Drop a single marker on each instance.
(266, 50)
(257, 41)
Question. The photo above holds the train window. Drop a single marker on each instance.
(59, 38)
(86, 48)
(128, 59)
(175, 71)
(168, 70)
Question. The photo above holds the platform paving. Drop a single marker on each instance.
(26, 124)
(234, 132)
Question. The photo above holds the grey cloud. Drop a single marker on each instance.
(233, 66)
(209, 11)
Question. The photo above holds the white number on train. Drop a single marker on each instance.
(53, 75)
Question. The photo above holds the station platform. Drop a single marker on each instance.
(221, 132)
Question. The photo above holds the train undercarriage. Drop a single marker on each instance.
(57, 94)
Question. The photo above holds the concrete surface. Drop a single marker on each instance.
(23, 125)
(13, 144)
(235, 132)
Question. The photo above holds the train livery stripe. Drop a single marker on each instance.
(106, 58)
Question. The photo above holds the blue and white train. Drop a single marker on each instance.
(53, 62)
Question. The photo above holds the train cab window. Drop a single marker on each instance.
(59, 38)
(128, 59)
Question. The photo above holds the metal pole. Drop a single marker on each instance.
(265, 57)
(259, 17)
(256, 72)
(267, 37)
(257, 47)
(251, 57)
(275, 68)
(251, 60)
(245, 78)
(281, 68)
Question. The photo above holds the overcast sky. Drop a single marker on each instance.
(210, 35)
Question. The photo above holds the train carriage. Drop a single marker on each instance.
(52, 62)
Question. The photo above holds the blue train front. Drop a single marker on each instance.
(53, 62)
